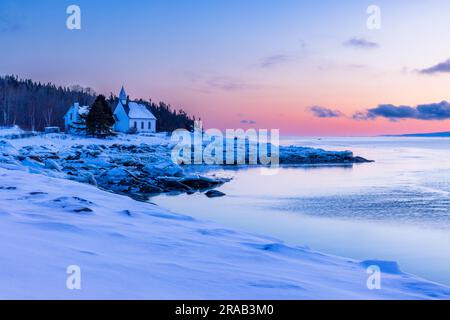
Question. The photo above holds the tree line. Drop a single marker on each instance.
(35, 105)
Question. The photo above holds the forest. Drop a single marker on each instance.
(35, 105)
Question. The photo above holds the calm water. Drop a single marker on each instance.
(395, 209)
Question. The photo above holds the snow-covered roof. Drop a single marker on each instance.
(82, 110)
(139, 111)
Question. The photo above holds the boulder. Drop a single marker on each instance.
(52, 165)
(163, 169)
(85, 177)
(197, 182)
(118, 176)
(6, 149)
(214, 194)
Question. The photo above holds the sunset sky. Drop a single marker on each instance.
(300, 66)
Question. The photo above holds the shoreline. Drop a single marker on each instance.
(87, 225)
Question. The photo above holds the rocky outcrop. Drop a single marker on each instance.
(135, 170)
(250, 154)
(139, 170)
(300, 155)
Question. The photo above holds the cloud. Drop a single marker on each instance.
(432, 111)
(355, 66)
(248, 122)
(207, 83)
(439, 68)
(361, 43)
(230, 84)
(322, 112)
(275, 60)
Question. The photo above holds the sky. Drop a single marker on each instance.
(309, 68)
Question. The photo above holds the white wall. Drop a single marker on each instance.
(122, 125)
(146, 123)
(71, 112)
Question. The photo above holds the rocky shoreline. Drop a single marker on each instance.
(139, 171)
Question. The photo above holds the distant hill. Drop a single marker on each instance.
(432, 134)
(34, 105)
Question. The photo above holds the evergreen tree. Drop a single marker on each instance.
(100, 119)
(79, 127)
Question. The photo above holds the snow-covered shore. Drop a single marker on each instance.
(128, 249)
(133, 250)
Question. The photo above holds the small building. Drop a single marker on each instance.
(131, 116)
(52, 130)
(74, 119)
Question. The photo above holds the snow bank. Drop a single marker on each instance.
(134, 250)
(6, 131)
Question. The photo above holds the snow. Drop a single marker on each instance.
(83, 110)
(63, 140)
(139, 111)
(134, 250)
(128, 249)
(7, 131)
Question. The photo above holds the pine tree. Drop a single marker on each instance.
(100, 119)
(79, 127)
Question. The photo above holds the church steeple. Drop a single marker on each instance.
(123, 96)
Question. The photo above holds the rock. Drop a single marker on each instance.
(197, 182)
(73, 157)
(7, 160)
(163, 169)
(128, 162)
(118, 176)
(52, 165)
(7, 149)
(173, 184)
(214, 194)
(150, 189)
(301, 155)
(85, 177)
(53, 156)
(33, 164)
(126, 213)
(81, 210)
(362, 160)
(36, 158)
